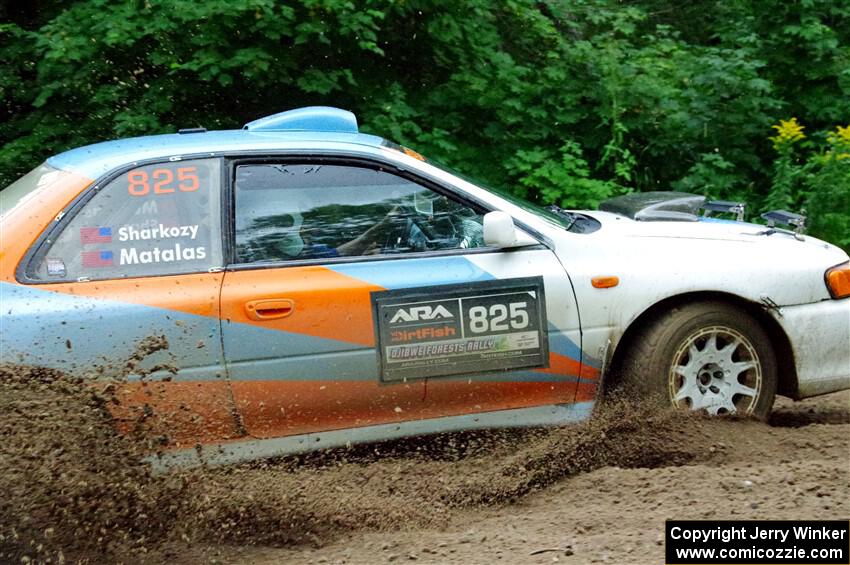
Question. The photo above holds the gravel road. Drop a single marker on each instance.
(798, 467)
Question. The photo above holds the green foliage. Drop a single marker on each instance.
(813, 174)
(823, 185)
(560, 177)
(565, 101)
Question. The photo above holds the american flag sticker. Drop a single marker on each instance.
(96, 235)
(97, 259)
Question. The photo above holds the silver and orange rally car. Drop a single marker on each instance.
(317, 286)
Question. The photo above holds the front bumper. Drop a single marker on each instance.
(819, 334)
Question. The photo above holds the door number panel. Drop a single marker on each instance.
(458, 329)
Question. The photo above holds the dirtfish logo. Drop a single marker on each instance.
(417, 313)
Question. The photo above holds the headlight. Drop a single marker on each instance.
(838, 280)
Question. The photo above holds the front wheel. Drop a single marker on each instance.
(704, 356)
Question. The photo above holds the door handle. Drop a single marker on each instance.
(269, 308)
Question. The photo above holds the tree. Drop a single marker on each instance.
(567, 101)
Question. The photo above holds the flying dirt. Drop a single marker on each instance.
(75, 490)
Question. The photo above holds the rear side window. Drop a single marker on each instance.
(154, 220)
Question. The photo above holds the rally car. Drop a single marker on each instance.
(317, 286)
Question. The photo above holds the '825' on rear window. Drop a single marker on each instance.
(162, 181)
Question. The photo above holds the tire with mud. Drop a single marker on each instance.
(707, 356)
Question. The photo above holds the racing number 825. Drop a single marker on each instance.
(138, 182)
(498, 317)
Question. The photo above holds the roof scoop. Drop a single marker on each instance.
(659, 206)
(311, 118)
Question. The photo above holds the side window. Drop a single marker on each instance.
(154, 220)
(308, 211)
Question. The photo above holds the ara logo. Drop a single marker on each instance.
(416, 313)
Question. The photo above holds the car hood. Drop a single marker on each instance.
(704, 228)
(717, 230)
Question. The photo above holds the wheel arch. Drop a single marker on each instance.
(787, 384)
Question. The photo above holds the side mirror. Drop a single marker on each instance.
(499, 230)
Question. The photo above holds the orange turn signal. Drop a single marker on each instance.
(604, 282)
(838, 280)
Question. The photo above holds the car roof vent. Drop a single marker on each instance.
(312, 118)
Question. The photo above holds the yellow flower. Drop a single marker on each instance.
(788, 131)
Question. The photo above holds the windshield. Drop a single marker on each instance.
(551, 217)
(20, 191)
